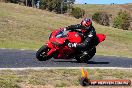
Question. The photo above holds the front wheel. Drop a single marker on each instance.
(41, 54)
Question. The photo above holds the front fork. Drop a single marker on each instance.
(52, 49)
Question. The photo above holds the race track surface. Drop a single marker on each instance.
(11, 58)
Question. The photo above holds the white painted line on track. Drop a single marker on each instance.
(3, 48)
(18, 49)
(46, 68)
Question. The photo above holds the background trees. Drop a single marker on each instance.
(122, 20)
(101, 18)
(58, 6)
(77, 12)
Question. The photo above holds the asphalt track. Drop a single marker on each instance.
(12, 58)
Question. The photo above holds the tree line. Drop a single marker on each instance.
(123, 20)
(57, 6)
(61, 7)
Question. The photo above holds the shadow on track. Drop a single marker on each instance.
(89, 62)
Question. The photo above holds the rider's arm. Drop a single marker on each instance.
(89, 37)
(73, 27)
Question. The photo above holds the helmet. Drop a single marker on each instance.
(86, 22)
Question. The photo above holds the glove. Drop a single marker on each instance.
(70, 45)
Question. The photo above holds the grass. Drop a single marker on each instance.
(118, 42)
(55, 78)
(23, 27)
(28, 28)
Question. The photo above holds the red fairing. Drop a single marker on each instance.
(74, 37)
(54, 39)
(58, 43)
(63, 51)
(101, 37)
(51, 51)
(49, 45)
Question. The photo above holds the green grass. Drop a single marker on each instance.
(22, 27)
(28, 28)
(118, 42)
(55, 78)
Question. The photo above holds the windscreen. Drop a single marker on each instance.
(61, 34)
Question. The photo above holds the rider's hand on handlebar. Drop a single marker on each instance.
(70, 45)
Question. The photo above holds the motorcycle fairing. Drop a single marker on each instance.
(101, 37)
(56, 44)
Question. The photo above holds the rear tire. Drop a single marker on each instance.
(92, 53)
(87, 57)
(41, 54)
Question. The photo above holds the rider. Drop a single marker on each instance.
(88, 32)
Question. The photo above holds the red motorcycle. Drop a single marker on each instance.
(57, 47)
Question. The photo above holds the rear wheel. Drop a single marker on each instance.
(85, 57)
(41, 54)
(92, 53)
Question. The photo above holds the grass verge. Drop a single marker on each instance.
(55, 78)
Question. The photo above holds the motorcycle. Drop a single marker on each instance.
(57, 46)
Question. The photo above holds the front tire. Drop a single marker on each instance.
(41, 54)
